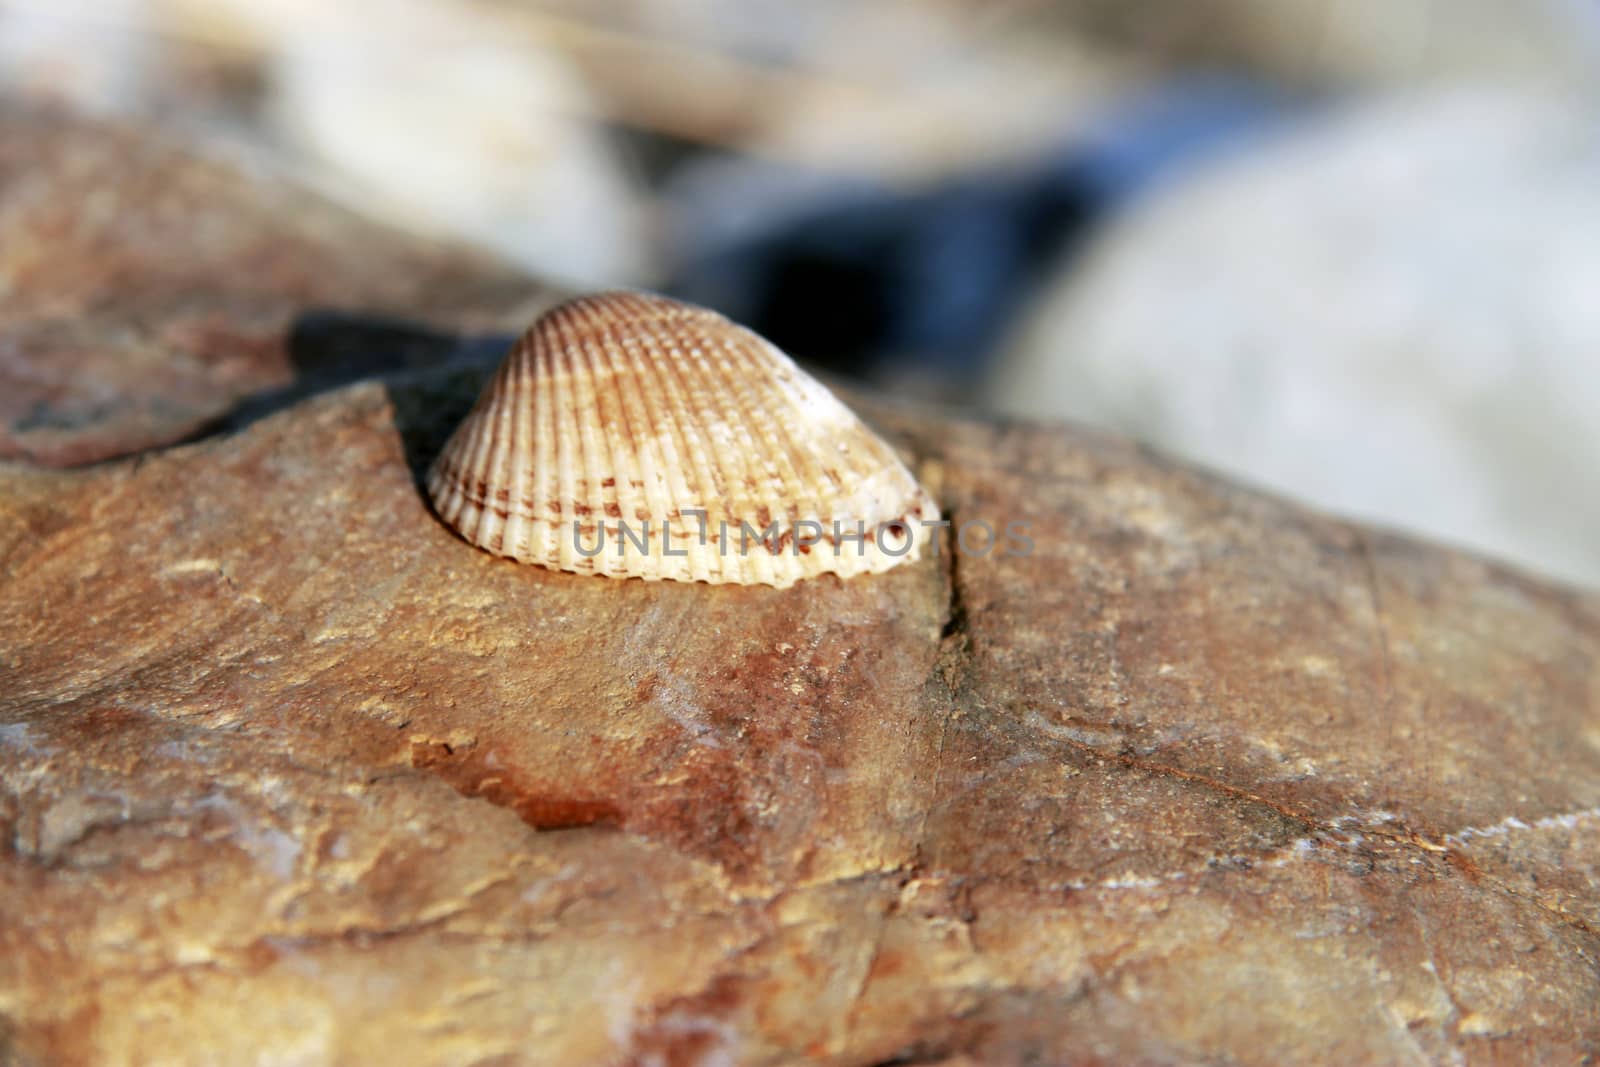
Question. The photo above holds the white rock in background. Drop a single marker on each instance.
(1347, 44)
(1373, 43)
(77, 56)
(440, 123)
(442, 117)
(1393, 312)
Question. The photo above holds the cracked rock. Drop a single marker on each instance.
(289, 772)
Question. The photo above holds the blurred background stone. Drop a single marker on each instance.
(435, 117)
(1390, 311)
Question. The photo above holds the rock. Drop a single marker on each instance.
(289, 771)
(288, 766)
(500, 144)
(1389, 313)
(1349, 45)
(110, 343)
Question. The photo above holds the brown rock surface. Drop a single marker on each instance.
(291, 774)
(145, 291)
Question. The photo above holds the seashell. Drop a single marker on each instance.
(635, 436)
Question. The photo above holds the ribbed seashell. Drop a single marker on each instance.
(623, 416)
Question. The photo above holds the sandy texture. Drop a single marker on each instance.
(291, 774)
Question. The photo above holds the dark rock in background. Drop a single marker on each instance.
(889, 285)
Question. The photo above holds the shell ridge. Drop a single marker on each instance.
(808, 448)
(603, 448)
(545, 426)
(477, 440)
(663, 435)
(593, 449)
(781, 438)
(496, 519)
(737, 409)
(503, 459)
(473, 438)
(684, 434)
(563, 392)
(568, 332)
(802, 401)
(733, 464)
(654, 462)
(691, 429)
(522, 526)
(613, 495)
(780, 432)
(809, 468)
(451, 470)
(441, 487)
(625, 462)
